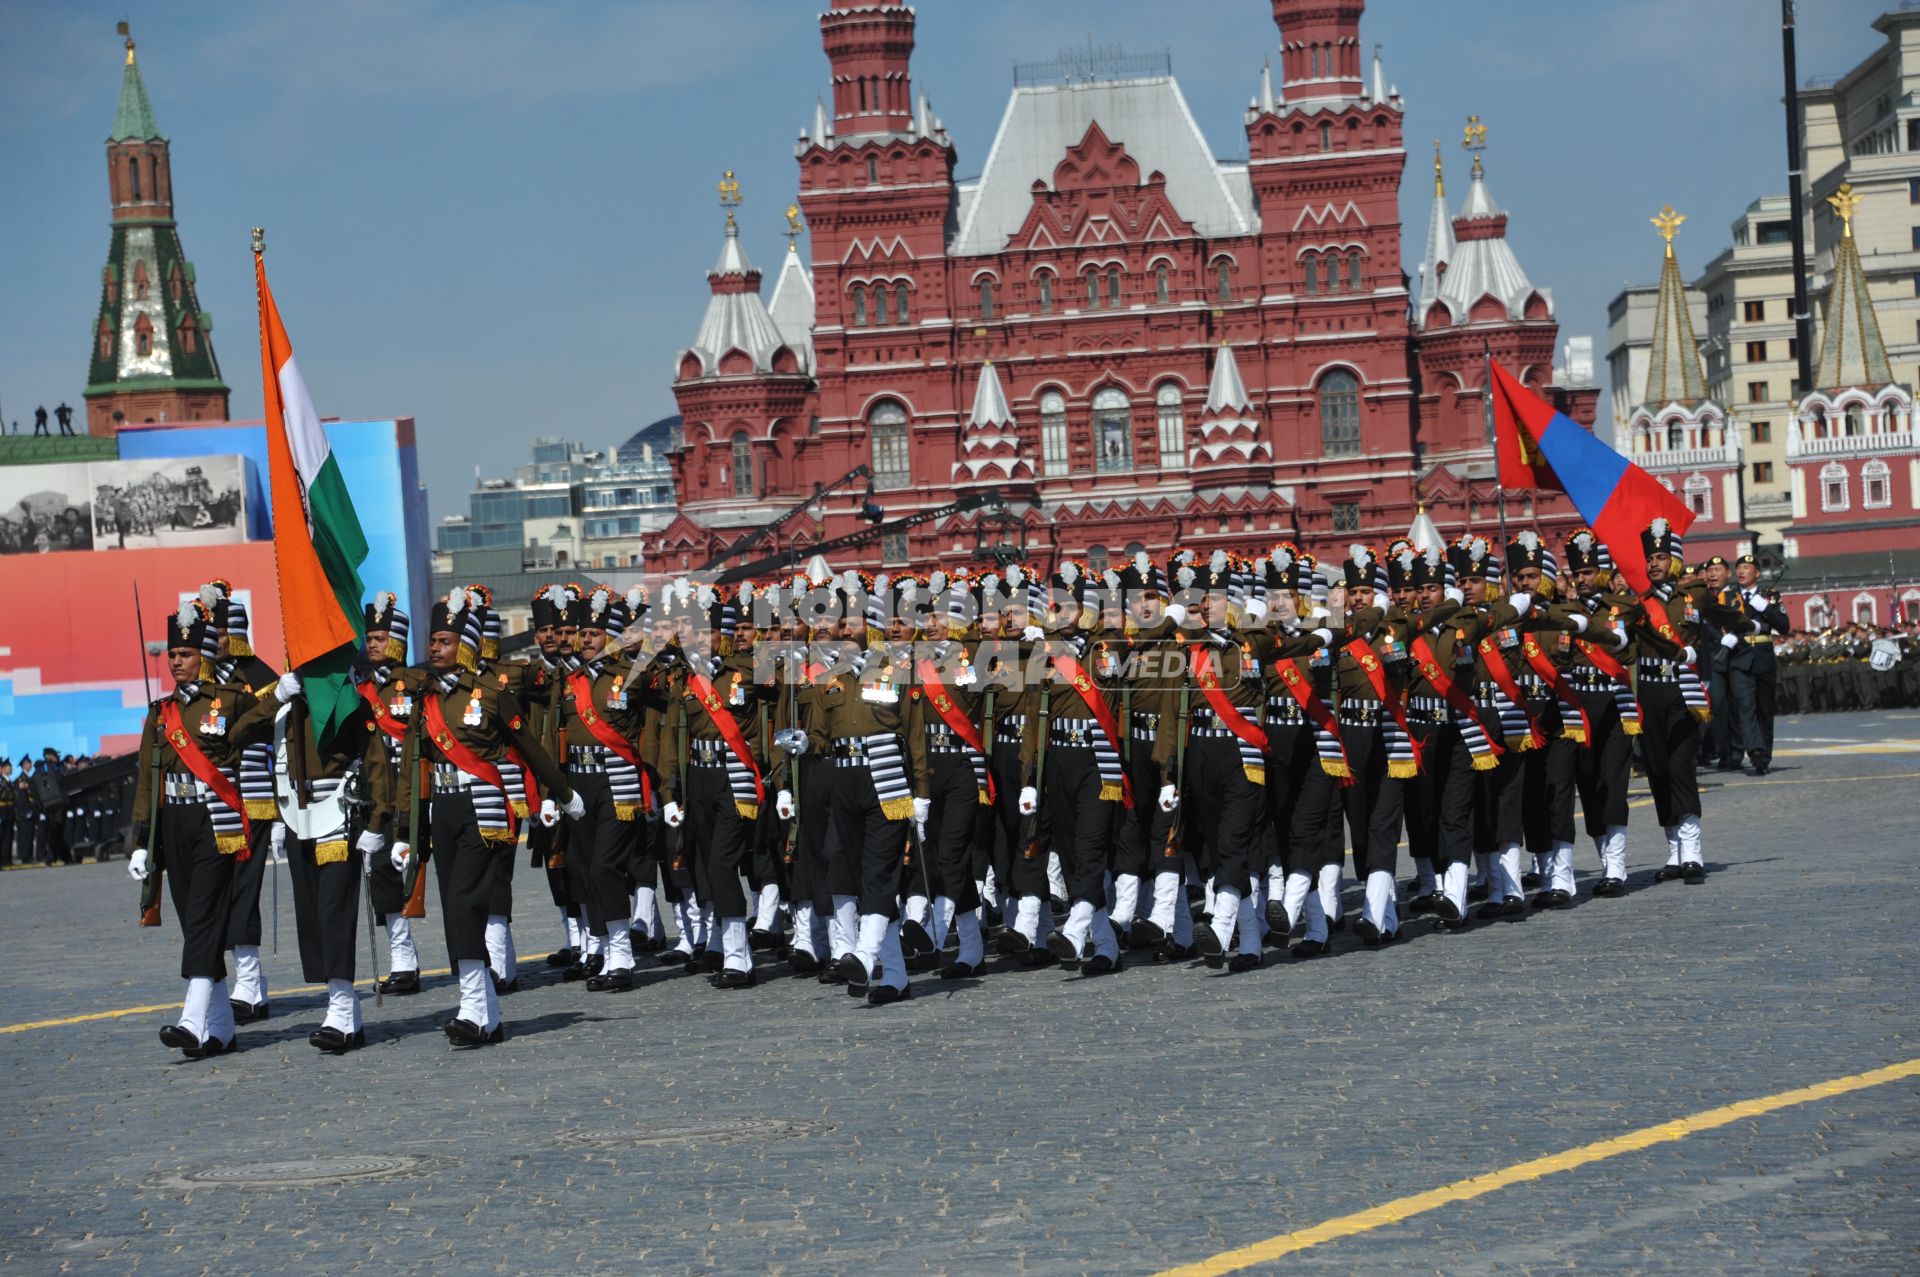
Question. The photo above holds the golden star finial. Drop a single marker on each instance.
(1668, 224)
(1844, 201)
(794, 227)
(729, 194)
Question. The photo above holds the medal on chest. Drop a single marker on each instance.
(883, 692)
(213, 722)
(1249, 663)
(1509, 637)
(474, 713)
(401, 705)
(617, 694)
(736, 692)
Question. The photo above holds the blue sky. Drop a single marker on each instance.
(496, 215)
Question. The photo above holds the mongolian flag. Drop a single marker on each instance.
(318, 546)
(1550, 450)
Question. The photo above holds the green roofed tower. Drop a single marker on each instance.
(152, 344)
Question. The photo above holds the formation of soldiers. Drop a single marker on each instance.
(866, 779)
(1849, 667)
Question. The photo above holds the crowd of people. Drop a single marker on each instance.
(46, 530)
(857, 779)
(1850, 667)
(41, 824)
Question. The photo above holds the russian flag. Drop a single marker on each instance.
(1617, 498)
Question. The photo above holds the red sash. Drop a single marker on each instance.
(959, 724)
(1368, 660)
(729, 730)
(604, 733)
(205, 771)
(1663, 624)
(1300, 687)
(1604, 662)
(1504, 680)
(392, 726)
(1449, 690)
(1223, 709)
(459, 755)
(1550, 675)
(1081, 682)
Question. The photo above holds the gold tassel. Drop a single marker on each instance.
(1258, 775)
(467, 661)
(1111, 793)
(1335, 768)
(1485, 762)
(1703, 712)
(331, 852)
(1403, 769)
(626, 811)
(1519, 744)
(229, 844)
(489, 649)
(1631, 726)
(261, 808)
(238, 646)
(748, 811)
(986, 800)
(1574, 732)
(206, 670)
(396, 648)
(897, 808)
(520, 809)
(506, 836)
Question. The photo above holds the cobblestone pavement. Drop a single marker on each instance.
(1023, 1122)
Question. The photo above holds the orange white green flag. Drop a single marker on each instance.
(318, 546)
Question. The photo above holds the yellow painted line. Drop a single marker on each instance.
(1465, 1190)
(1864, 747)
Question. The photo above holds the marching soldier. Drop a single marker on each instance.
(1504, 711)
(1014, 701)
(1147, 846)
(501, 954)
(541, 678)
(1371, 678)
(1723, 745)
(390, 690)
(804, 798)
(1598, 671)
(1753, 672)
(8, 802)
(188, 793)
(464, 728)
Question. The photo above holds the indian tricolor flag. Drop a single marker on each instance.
(317, 543)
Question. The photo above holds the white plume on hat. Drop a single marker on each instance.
(1217, 562)
(556, 596)
(636, 596)
(937, 582)
(1529, 541)
(1405, 558)
(457, 600)
(704, 597)
(186, 615)
(1357, 554)
(1069, 571)
(881, 582)
(1282, 559)
(210, 594)
(1014, 576)
(909, 591)
(1184, 577)
(383, 601)
(1432, 555)
(1110, 579)
(1659, 527)
(1142, 564)
(599, 602)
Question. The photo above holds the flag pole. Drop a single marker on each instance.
(1499, 488)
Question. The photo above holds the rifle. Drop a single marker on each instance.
(793, 764)
(1171, 851)
(1030, 827)
(411, 767)
(150, 889)
(548, 846)
(680, 769)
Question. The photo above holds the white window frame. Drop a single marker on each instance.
(1170, 411)
(1055, 452)
(1876, 473)
(1830, 474)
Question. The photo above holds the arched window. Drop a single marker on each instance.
(1173, 425)
(1093, 290)
(859, 306)
(1053, 433)
(1865, 610)
(1353, 272)
(140, 281)
(900, 303)
(873, 170)
(106, 339)
(880, 304)
(1160, 290)
(1699, 495)
(1856, 420)
(986, 298)
(189, 338)
(1223, 279)
(1045, 282)
(173, 282)
(742, 464)
(1876, 485)
(1833, 486)
(887, 436)
(1676, 437)
(1098, 559)
(1113, 285)
(1326, 136)
(1313, 60)
(1312, 263)
(1340, 414)
(1819, 613)
(133, 171)
(142, 337)
(1112, 431)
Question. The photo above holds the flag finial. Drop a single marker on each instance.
(729, 195)
(126, 30)
(1668, 224)
(1474, 141)
(794, 227)
(1439, 174)
(1844, 201)
(259, 240)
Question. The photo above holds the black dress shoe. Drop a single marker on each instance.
(914, 939)
(1061, 946)
(1033, 959)
(502, 990)
(1014, 941)
(1762, 768)
(674, 957)
(760, 940)
(712, 960)
(882, 994)
(1207, 944)
(176, 1038)
(1693, 872)
(334, 1042)
(1427, 902)
(1277, 917)
(1147, 933)
(1447, 910)
(1245, 962)
(212, 1047)
(1530, 881)
(1366, 931)
(400, 983)
(248, 1012)
(854, 974)
(620, 981)
(1554, 899)
(1099, 964)
(1610, 887)
(1309, 949)
(1666, 873)
(1479, 891)
(802, 962)
(464, 1032)
(830, 974)
(1172, 951)
(731, 979)
(1513, 906)
(564, 957)
(959, 971)
(929, 961)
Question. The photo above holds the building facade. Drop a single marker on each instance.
(152, 357)
(1136, 344)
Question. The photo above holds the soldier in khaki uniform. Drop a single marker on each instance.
(390, 689)
(1370, 677)
(1147, 852)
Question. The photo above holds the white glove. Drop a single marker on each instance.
(398, 857)
(288, 687)
(1521, 602)
(370, 843)
(1255, 610)
(137, 866)
(1452, 595)
(791, 739)
(1033, 634)
(1177, 614)
(1324, 635)
(1691, 657)
(675, 816)
(1169, 798)
(575, 808)
(1318, 614)
(277, 838)
(549, 813)
(1579, 620)
(1620, 637)
(922, 808)
(1729, 641)
(1029, 801)
(783, 804)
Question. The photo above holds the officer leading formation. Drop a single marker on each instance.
(864, 779)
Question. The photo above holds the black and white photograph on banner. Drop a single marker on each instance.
(177, 501)
(44, 509)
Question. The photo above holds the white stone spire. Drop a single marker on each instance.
(1439, 239)
(1267, 100)
(1226, 393)
(1379, 93)
(989, 446)
(990, 406)
(822, 124)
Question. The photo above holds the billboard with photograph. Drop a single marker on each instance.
(45, 509)
(165, 501)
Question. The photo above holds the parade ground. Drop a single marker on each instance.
(1718, 1078)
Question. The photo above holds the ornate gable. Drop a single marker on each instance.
(1098, 199)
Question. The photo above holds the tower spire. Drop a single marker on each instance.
(1674, 374)
(1852, 352)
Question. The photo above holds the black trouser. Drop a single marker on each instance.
(500, 891)
(1225, 811)
(1018, 869)
(326, 909)
(6, 832)
(601, 851)
(718, 838)
(243, 902)
(385, 887)
(1548, 785)
(1753, 682)
(875, 845)
(1500, 797)
(544, 846)
(813, 779)
(766, 847)
(463, 866)
(1081, 822)
(1439, 803)
(200, 879)
(1725, 741)
(953, 828)
(1302, 800)
(1671, 735)
(1374, 803)
(1601, 771)
(1141, 844)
